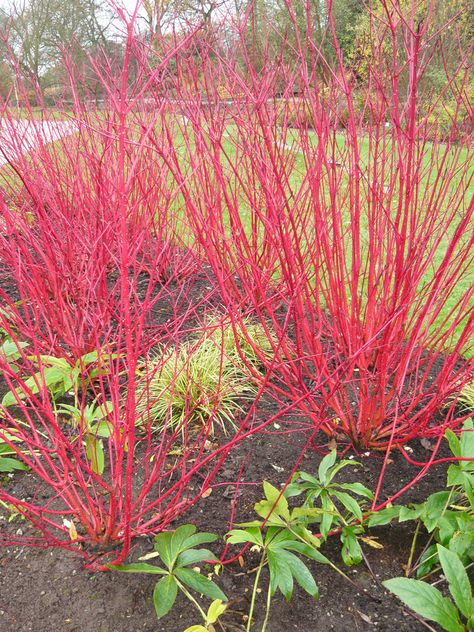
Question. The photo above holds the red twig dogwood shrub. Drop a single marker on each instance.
(93, 248)
(359, 228)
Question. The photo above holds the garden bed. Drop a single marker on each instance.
(47, 589)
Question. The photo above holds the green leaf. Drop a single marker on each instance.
(201, 538)
(467, 440)
(428, 559)
(179, 540)
(275, 503)
(10, 350)
(240, 536)
(195, 556)
(163, 547)
(280, 574)
(301, 573)
(411, 513)
(435, 506)
(427, 601)
(357, 488)
(200, 584)
(88, 358)
(215, 610)
(340, 466)
(325, 465)
(453, 441)
(351, 550)
(95, 454)
(307, 551)
(383, 517)
(164, 595)
(350, 504)
(328, 514)
(196, 628)
(8, 465)
(138, 568)
(458, 581)
(103, 429)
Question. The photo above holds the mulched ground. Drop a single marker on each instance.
(47, 590)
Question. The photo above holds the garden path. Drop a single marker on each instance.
(18, 137)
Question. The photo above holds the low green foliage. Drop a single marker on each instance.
(8, 456)
(95, 425)
(57, 375)
(193, 384)
(448, 515)
(282, 537)
(334, 506)
(177, 552)
(430, 603)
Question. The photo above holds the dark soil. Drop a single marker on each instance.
(47, 590)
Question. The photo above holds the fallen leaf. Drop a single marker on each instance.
(277, 468)
(332, 444)
(71, 527)
(364, 617)
(372, 542)
(207, 493)
(241, 561)
(426, 443)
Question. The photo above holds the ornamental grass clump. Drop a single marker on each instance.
(245, 341)
(193, 385)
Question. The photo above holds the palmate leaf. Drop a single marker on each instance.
(349, 503)
(356, 488)
(427, 601)
(163, 547)
(275, 508)
(384, 516)
(164, 595)
(304, 549)
(351, 549)
(200, 538)
(179, 540)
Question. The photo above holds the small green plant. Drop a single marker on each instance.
(335, 506)
(177, 551)
(447, 515)
(430, 603)
(282, 537)
(193, 384)
(57, 375)
(95, 426)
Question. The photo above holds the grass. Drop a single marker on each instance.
(186, 143)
